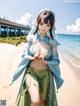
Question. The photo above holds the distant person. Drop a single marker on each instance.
(40, 64)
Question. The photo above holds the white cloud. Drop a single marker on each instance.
(26, 19)
(72, 28)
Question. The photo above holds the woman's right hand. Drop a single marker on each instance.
(36, 56)
(32, 58)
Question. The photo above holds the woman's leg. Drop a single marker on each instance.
(33, 88)
(44, 87)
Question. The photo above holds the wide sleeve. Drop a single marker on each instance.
(54, 64)
(23, 63)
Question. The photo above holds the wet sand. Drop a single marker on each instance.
(10, 56)
(68, 94)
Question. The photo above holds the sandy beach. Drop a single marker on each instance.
(10, 56)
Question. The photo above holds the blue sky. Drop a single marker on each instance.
(67, 12)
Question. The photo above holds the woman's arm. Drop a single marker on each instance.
(26, 54)
(54, 67)
(55, 56)
(26, 51)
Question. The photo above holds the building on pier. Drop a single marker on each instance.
(11, 28)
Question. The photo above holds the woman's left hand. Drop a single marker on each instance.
(44, 61)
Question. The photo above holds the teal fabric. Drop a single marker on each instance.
(53, 60)
(23, 98)
(24, 63)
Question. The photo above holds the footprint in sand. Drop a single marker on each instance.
(5, 87)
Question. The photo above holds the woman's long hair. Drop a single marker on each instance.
(45, 17)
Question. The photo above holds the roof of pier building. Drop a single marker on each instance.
(5, 22)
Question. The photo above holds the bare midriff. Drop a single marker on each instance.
(38, 64)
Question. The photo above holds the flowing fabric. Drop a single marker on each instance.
(23, 98)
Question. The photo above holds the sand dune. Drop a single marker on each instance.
(10, 56)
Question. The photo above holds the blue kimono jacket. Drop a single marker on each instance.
(53, 63)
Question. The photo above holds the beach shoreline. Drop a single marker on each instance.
(72, 61)
(10, 56)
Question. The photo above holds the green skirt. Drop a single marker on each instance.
(47, 90)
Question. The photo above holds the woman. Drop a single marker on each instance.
(41, 65)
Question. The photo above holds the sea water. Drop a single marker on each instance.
(71, 43)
